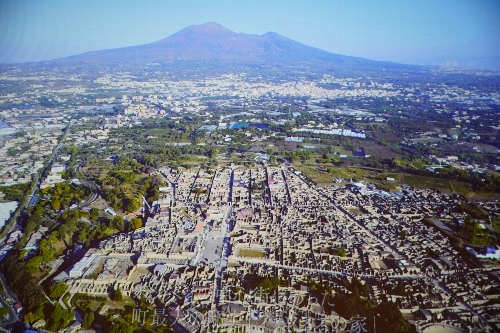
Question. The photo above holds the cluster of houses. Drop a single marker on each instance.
(213, 230)
(23, 156)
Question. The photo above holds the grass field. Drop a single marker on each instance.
(444, 185)
(251, 253)
(324, 174)
(315, 174)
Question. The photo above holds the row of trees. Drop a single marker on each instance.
(15, 192)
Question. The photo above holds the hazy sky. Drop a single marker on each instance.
(396, 30)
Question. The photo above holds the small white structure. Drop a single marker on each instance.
(6, 210)
(81, 267)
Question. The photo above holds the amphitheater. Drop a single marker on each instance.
(442, 328)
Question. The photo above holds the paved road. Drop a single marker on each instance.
(200, 242)
(95, 189)
(224, 253)
(12, 315)
(37, 181)
(333, 272)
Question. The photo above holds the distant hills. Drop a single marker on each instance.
(214, 44)
(211, 41)
(210, 48)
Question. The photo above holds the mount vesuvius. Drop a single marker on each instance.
(211, 42)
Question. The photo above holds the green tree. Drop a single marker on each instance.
(4, 311)
(135, 223)
(153, 195)
(56, 204)
(30, 227)
(400, 288)
(30, 318)
(118, 295)
(391, 320)
(268, 285)
(398, 161)
(132, 204)
(117, 223)
(34, 264)
(144, 304)
(94, 214)
(82, 237)
(197, 191)
(58, 318)
(62, 232)
(341, 252)
(57, 290)
(121, 327)
(88, 319)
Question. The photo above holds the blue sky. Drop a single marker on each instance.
(396, 30)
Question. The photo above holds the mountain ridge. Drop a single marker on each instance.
(213, 42)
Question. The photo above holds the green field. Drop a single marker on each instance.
(251, 253)
(324, 174)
